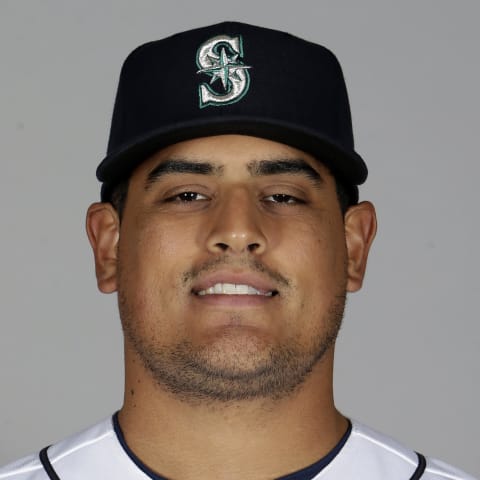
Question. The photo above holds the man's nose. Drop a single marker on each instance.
(237, 225)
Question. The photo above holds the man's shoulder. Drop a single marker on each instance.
(94, 438)
(375, 454)
(28, 467)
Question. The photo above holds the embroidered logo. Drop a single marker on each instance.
(221, 59)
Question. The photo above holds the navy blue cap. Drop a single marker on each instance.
(231, 78)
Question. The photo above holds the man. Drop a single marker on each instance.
(231, 229)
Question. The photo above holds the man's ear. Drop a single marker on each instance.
(103, 230)
(360, 229)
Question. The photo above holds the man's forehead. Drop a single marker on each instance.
(217, 154)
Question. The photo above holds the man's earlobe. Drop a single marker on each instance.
(360, 229)
(103, 230)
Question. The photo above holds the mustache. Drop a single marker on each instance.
(226, 261)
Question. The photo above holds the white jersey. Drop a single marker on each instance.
(97, 454)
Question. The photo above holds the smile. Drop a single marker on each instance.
(234, 289)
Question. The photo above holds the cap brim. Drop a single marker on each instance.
(346, 165)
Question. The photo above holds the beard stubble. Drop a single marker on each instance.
(253, 370)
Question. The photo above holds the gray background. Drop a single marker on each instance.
(408, 359)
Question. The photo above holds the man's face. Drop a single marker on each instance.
(232, 267)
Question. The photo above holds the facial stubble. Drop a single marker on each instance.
(202, 373)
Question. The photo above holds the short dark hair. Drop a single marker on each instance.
(344, 195)
(118, 196)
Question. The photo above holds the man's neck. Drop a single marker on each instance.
(246, 439)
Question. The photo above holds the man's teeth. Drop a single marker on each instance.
(232, 289)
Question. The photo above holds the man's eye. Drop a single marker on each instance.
(187, 197)
(282, 198)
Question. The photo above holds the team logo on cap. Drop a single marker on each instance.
(221, 59)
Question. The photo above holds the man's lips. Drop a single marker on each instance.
(228, 283)
(233, 289)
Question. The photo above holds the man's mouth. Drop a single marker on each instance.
(235, 289)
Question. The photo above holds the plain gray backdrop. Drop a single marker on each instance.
(408, 357)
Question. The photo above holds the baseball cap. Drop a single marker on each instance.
(231, 78)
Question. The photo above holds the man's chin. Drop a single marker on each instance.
(240, 343)
(234, 361)
(231, 369)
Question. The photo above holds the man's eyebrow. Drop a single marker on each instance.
(287, 166)
(176, 166)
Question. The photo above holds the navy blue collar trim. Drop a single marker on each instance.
(309, 472)
(304, 474)
(133, 457)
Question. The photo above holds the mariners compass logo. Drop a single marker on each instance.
(220, 58)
